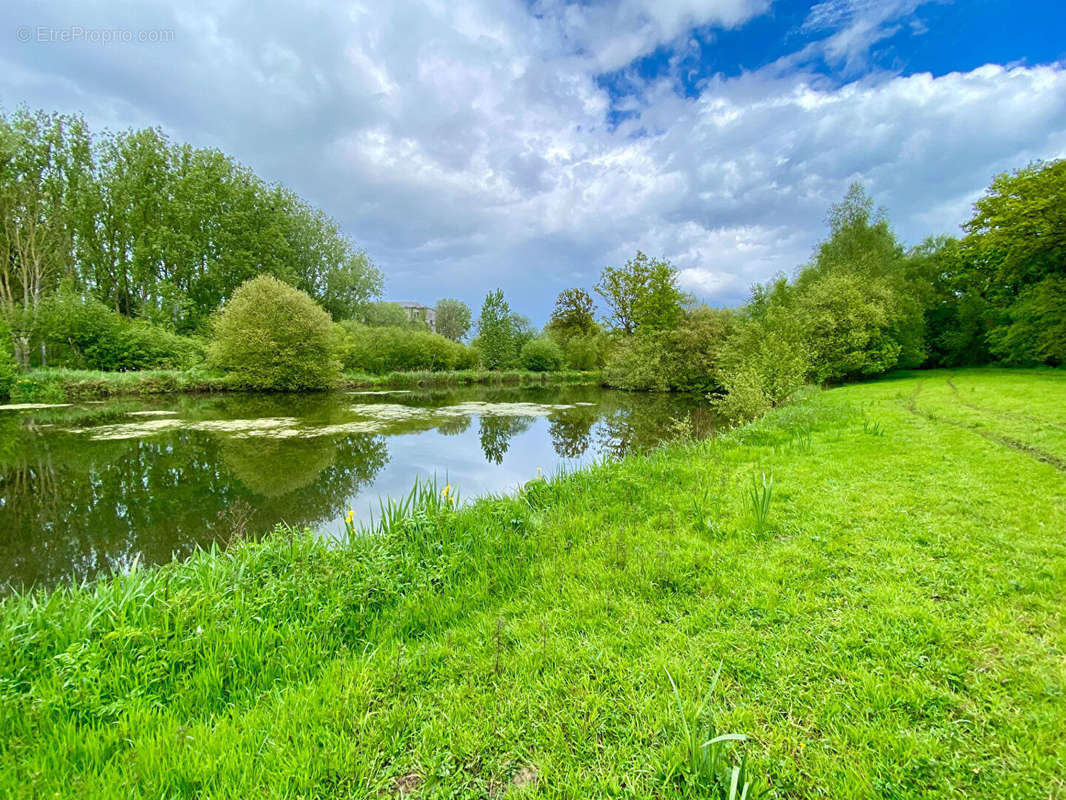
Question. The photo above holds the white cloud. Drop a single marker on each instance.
(467, 146)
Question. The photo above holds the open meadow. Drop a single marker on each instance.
(876, 574)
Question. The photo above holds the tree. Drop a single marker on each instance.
(1015, 260)
(496, 332)
(1034, 329)
(273, 336)
(1017, 234)
(643, 294)
(8, 368)
(153, 229)
(572, 315)
(522, 330)
(44, 161)
(846, 321)
(684, 359)
(864, 304)
(453, 319)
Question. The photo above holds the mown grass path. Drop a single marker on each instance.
(896, 630)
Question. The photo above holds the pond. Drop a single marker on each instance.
(89, 488)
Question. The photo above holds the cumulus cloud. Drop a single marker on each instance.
(468, 146)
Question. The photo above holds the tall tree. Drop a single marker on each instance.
(44, 165)
(453, 319)
(572, 315)
(496, 334)
(862, 259)
(1017, 234)
(154, 229)
(642, 295)
(1016, 250)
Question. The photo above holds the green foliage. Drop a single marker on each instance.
(860, 304)
(8, 367)
(760, 498)
(685, 358)
(153, 229)
(642, 295)
(572, 315)
(997, 293)
(1012, 265)
(957, 315)
(384, 315)
(1033, 328)
(400, 349)
(847, 319)
(1017, 236)
(57, 385)
(586, 352)
(639, 363)
(497, 338)
(453, 319)
(38, 386)
(272, 336)
(541, 355)
(763, 364)
(705, 764)
(85, 334)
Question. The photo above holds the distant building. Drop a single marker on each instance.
(417, 311)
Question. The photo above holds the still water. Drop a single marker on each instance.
(86, 489)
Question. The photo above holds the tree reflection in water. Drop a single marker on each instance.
(71, 509)
(75, 506)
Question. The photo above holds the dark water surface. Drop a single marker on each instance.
(88, 488)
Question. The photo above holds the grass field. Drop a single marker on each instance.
(877, 575)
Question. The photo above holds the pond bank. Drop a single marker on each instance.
(894, 626)
(61, 385)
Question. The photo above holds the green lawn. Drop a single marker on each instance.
(895, 629)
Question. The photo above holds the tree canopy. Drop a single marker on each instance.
(453, 319)
(642, 294)
(155, 229)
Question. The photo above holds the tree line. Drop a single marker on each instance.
(862, 306)
(124, 251)
(153, 230)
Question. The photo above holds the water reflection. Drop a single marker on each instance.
(74, 503)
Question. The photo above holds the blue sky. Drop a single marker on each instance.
(526, 145)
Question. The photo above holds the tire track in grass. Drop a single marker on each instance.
(1000, 412)
(1037, 453)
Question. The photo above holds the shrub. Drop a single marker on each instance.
(541, 355)
(393, 349)
(850, 323)
(275, 337)
(639, 363)
(586, 352)
(8, 367)
(86, 334)
(38, 386)
(763, 365)
(684, 359)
